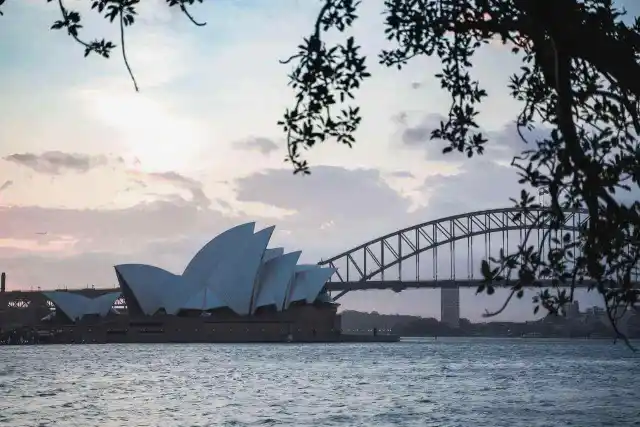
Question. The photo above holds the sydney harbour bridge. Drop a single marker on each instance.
(445, 254)
(440, 254)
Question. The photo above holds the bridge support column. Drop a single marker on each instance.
(450, 306)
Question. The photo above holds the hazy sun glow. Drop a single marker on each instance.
(160, 140)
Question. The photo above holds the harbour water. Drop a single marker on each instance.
(448, 382)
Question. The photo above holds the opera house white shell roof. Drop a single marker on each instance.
(76, 306)
(234, 270)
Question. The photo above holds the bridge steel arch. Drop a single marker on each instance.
(373, 258)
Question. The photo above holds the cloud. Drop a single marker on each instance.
(167, 233)
(195, 187)
(509, 142)
(334, 208)
(105, 228)
(402, 174)
(400, 118)
(337, 208)
(33, 270)
(330, 192)
(6, 185)
(419, 134)
(263, 145)
(57, 162)
(87, 242)
(502, 144)
(480, 184)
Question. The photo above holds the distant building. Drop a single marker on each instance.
(450, 307)
(573, 310)
(595, 311)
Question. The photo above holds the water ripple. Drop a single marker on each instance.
(444, 383)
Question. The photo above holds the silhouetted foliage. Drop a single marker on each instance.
(579, 76)
(122, 12)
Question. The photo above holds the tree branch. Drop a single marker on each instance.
(124, 51)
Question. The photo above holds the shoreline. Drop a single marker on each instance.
(35, 339)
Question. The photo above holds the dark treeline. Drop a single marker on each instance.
(550, 326)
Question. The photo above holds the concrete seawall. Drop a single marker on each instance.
(369, 338)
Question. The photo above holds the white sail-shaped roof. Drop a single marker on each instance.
(234, 281)
(197, 289)
(268, 255)
(307, 283)
(103, 304)
(299, 268)
(151, 286)
(214, 253)
(273, 281)
(204, 299)
(234, 270)
(272, 253)
(76, 306)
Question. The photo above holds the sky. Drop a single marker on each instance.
(114, 176)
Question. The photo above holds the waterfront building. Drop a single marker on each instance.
(233, 289)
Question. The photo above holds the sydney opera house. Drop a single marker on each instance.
(234, 289)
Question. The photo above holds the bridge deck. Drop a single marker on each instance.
(341, 286)
(425, 284)
(399, 285)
